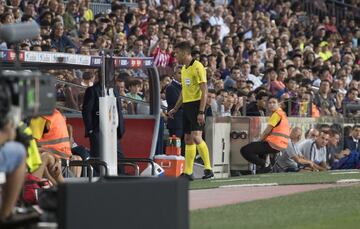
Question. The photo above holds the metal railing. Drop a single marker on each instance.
(104, 6)
(338, 9)
(71, 110)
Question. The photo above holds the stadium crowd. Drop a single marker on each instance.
(251, 49)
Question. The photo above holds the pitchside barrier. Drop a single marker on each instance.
(226, 135)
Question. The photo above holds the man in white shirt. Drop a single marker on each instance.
(217, 19)
(315, 150)
(291, 159)
(246, 68)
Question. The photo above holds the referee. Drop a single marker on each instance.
(193, 99)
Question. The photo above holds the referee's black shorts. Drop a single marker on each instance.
(190, 113)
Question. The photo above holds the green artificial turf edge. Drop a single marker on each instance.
(280, 178)
(328, 208)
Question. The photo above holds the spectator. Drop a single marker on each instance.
(333, 149)
(351, 98)
(227, 105)
(290, 89)
(134, 89)
(246, 74)
(120, 84)
(352, 142)
(291, 159)
(258, 108)
(138, 49)
(306, 106)
(235, 75)
(71, 17)
(312, 133)
(87, 79)
(211, 107)
(161, 54)
(323, 100)
(59, 40)
(315, 150)
(87, 12)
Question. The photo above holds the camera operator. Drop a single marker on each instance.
(12, 159)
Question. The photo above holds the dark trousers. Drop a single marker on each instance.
(160, 141)
(81, 151)
(95, 149)
(255, 152)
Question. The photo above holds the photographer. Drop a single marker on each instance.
(12, 160)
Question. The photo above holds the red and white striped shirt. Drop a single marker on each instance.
(161, 58)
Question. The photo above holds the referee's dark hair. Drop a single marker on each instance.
(184, 46)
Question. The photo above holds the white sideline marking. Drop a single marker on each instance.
(344, 173)
(239, 179)
(348, 181)
(249, 185)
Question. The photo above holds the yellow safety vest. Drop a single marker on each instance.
(33, 159)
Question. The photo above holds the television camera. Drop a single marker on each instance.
(30, 93)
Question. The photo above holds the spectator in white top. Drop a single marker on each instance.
(315, 150)
(217, 19)
(228, 105)
(246, 68)
(291, 160)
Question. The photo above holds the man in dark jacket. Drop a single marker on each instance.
(258, 108)
(173, 91)
(59, 40)
(352, 142)
(90, 114)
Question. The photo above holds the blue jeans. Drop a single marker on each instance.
(12, 155)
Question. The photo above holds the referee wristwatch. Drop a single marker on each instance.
(201, 112)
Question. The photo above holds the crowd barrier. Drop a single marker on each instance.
(227, 135)
(323, 8)
(104, 6)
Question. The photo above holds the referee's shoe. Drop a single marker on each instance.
(187, 176)
(208, 174)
